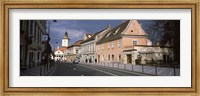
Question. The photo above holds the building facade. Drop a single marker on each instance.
(72, 53)
(118, 45)
(152, 54)
(88, 46)
(59, 53)
(31, 45)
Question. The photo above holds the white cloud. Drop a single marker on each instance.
(73, 33)
(58, 33)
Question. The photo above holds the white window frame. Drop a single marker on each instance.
(102, 46)
(119, 43)
(113, 44)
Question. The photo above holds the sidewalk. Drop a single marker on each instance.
(153, 70)
(38, 70)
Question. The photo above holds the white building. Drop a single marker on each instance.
(59, 53)
(88, 46)
(72, 52)
(149, 54)
(88, 49)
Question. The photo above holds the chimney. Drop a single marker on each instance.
(84, 36)
(108, 26)
(141, 24)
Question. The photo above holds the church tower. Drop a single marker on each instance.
(65, 40)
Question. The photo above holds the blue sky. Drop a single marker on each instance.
(76, 28)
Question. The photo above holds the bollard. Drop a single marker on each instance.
(174, 71)
(132, 67)
(142, 68)
(118, 65)
(125, 66)
(40, 71)
(44, 70)
(156, 70)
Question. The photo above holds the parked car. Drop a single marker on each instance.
(75, 62)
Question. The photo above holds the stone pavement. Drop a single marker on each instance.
(40, 70)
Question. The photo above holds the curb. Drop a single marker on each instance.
(125, 71)
(51, 71)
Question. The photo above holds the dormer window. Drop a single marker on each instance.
(116, 31)
(107, 35)
(89, 36)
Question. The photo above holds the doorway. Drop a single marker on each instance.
(129, 58)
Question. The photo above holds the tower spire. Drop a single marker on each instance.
(66, 36)
(65, 40)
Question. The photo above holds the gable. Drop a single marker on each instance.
(58, 52)
(134, 28)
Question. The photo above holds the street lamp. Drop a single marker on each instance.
(50, 24)
(56, 42)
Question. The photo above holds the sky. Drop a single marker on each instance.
(76, 28)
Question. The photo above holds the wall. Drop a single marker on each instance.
(105, 51)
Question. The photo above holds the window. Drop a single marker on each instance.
(131, 30)
(31, 27)
(38, 56)
(135, 42)
(112, 44)
(108, 57)
(119, 43)
(102, 46)
(89, 48)
(119, 57)
(27, 26)
(108, 45)
(38, 35)
(112, 57)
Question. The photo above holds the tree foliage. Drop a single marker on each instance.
(169, 33)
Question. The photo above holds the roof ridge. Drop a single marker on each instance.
(112, 36)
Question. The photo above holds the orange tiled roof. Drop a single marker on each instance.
(77, 43)
(62, 49)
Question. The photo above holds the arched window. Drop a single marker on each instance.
(38, 55)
